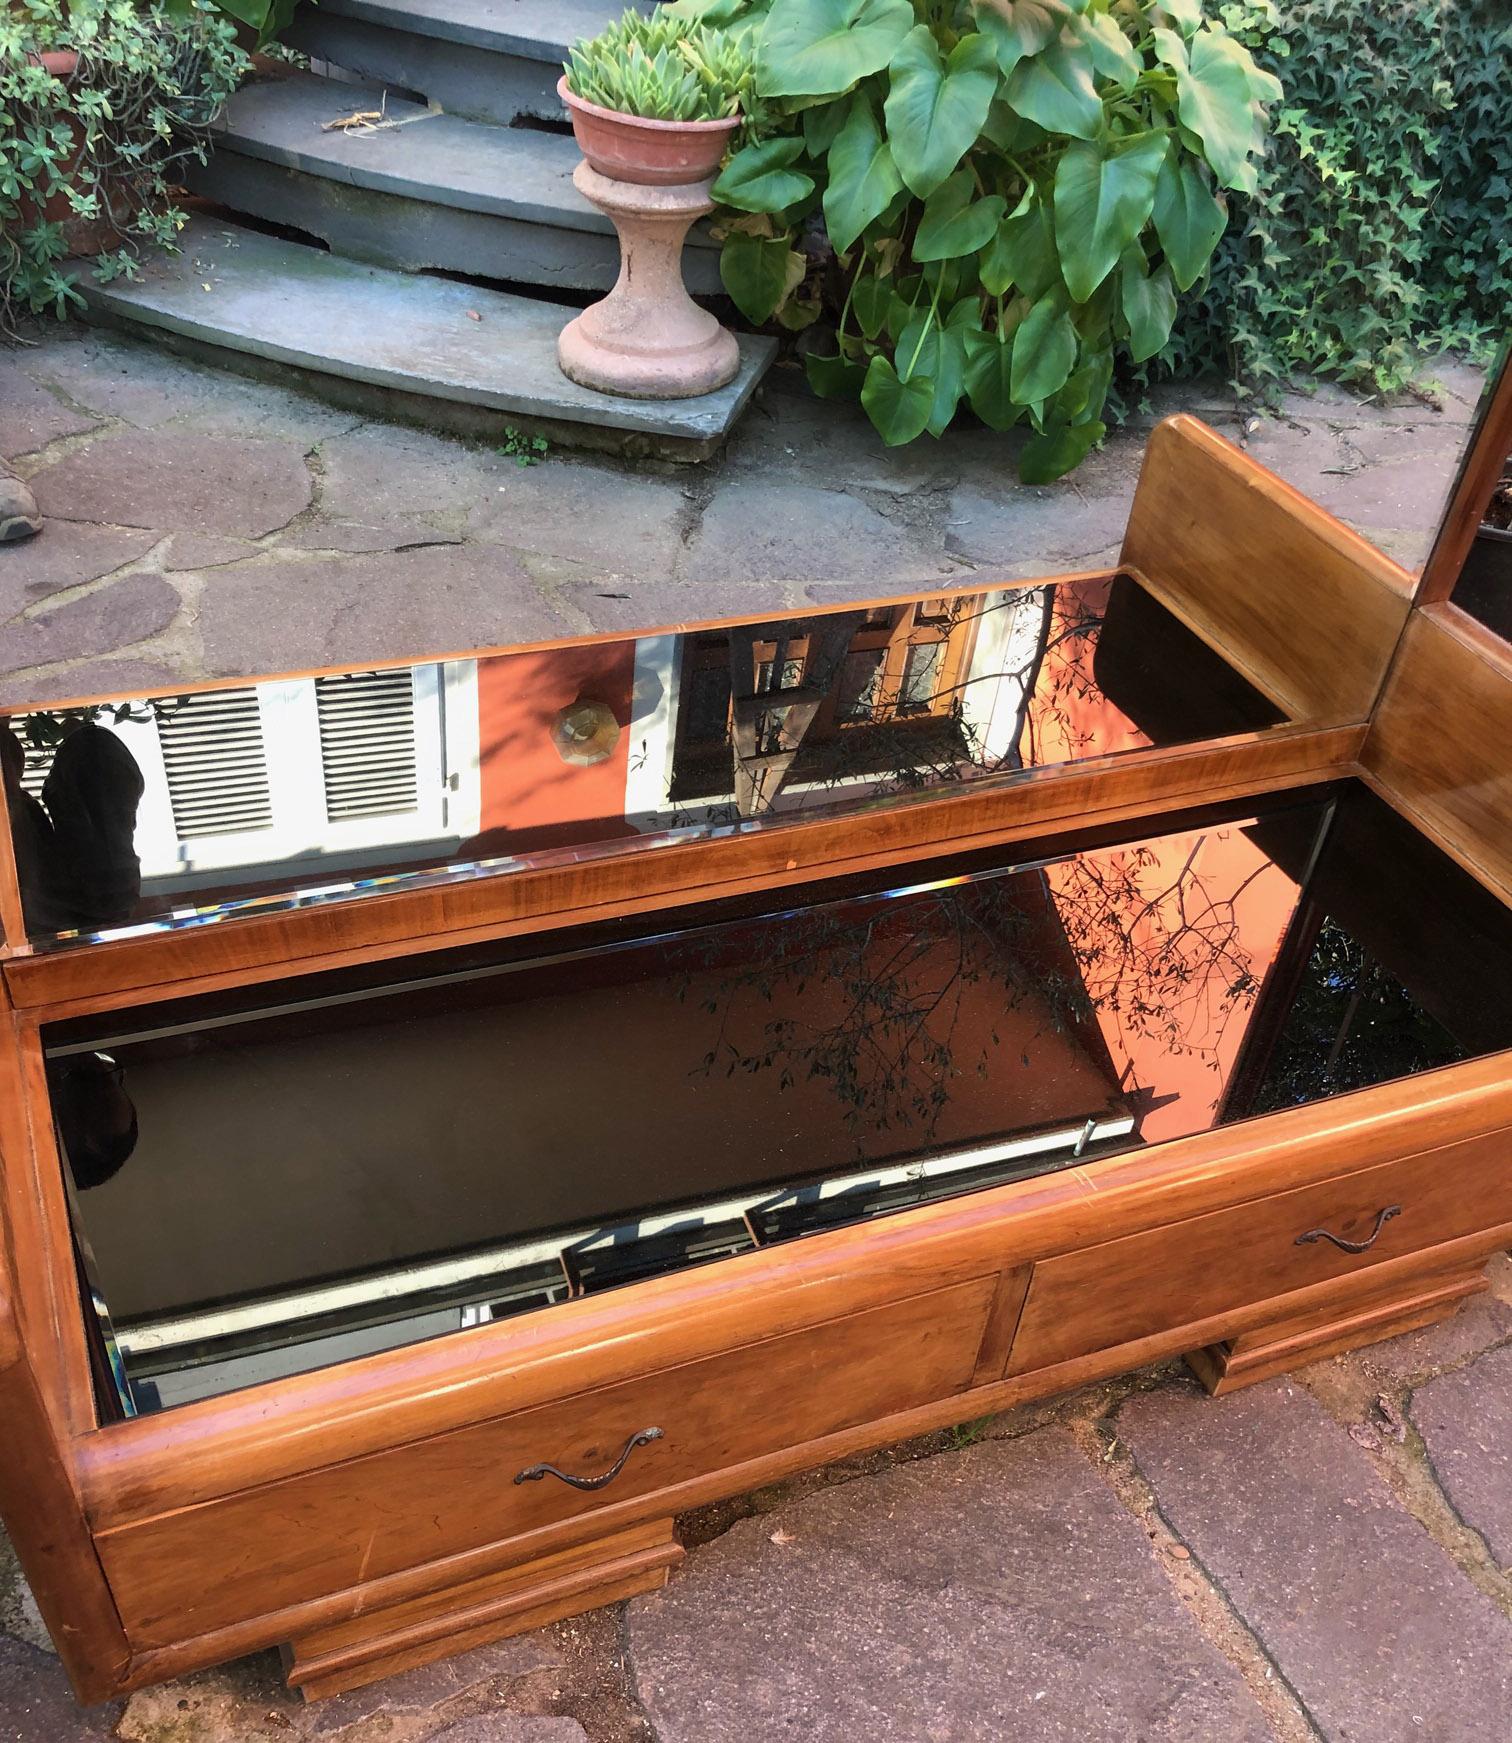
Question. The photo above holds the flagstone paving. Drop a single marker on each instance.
(1323, 1558)
(200, 523)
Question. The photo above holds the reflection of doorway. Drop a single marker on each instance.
(823, 702)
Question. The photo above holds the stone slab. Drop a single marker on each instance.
(174, 479)
(511, 172)
(413, 334)
(758, 530)
(283, 615)
(1377, 1631)
(531, 29)
(114, 616)
(115, 375)
(89, 678)
(634, 606)
(622, 523)
(31, 417)
(998, 1592)
(65, 554)
(1465, 1419)
(512, 1728)
(248, 1699)
(36, 1705)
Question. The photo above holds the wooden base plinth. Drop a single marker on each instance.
(346, 1655)
(1311, 1337)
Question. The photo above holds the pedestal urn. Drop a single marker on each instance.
(647, 339)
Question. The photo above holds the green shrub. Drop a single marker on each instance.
(1379, 228)
(1013, 191)
(102, 149)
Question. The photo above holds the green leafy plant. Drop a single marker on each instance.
(662, 67)
(523, 448)
(1377, 229)
(88, 162)
(991, 198)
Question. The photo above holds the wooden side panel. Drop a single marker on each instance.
(205, 1567)
(1440, 747)
(1309, 610)
(1133, 1288)
(39, 1502)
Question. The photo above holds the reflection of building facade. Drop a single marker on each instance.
(322, 788)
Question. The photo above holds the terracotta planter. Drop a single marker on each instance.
(656, 154)
(81, 235)
(647, 339)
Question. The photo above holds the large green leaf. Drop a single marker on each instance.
(1103, 197)
(899, 410)
(1044, 348)
(1214, 100)
(834, 377)
(810, 48)
(758, 272)
(1055, 89)
(1148, 300)
(989, 379)
(1022, 253)
(938, 355)
(1189, 219)
(1186, 13)
(871, 301)
(1057, 449)
(863, 179)
(936, 108)
(1113, 55)
(956, 223)
(760, 178)
(1018, 28)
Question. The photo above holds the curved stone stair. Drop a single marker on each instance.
(464, 174)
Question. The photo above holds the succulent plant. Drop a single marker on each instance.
(661, 68)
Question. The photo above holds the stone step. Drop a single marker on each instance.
(401, 344)
(426, 189)
(493, 60)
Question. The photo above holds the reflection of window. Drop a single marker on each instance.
(921, 674)
(767, 675)
(215, 764)
(860, 678)
(367, 743)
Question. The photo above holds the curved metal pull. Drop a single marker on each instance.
(1382, 1218)
(535, 1472)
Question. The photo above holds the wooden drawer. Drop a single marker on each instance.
(208, 1566)
(1184, 1272)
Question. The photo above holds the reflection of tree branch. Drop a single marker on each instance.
(884, 1020)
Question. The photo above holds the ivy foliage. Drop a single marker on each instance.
(1378, 229)
(91, 160)
(1002, 195)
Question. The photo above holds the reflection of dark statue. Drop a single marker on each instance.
(96, 1118)
(75, 853)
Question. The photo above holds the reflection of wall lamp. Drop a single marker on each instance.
(585, 732)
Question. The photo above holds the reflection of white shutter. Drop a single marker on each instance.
(215, 764)
(367, 744)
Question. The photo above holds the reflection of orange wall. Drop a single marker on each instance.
(530, 798)
(1163, 904)
(1069, 716)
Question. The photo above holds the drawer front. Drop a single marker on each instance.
(1173, 1276)
(207, 1566)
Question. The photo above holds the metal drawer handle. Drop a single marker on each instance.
(1382, 1218)
(536, 1472)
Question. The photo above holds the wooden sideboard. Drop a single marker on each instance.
(388, 1510)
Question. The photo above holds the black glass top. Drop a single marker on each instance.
(269, 1179)
(192, 809)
